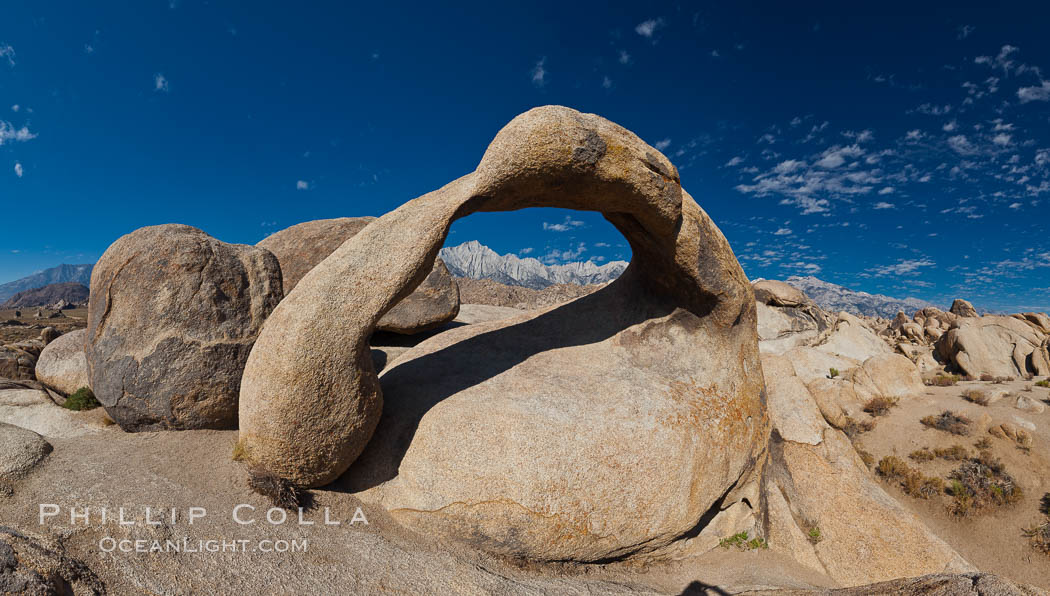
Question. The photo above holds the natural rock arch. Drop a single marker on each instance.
(310, 397)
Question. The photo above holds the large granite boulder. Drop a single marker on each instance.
(16, 362)
(20, 450)
(62, 365)
(301, 247)
(786, 317)
(992, 345)
(604, 427)
(32, 564)
(172, 317)
(778, 293)
(867, 535)
(1039, 320)
(851, 337)
(963, 308)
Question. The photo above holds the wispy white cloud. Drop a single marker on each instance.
(18, 169)
(624, 58)
(607, 82)
(11, 133)
(7, 53)
(1038, 93)
(964, 31)
(663, 144)
(302, 185)
(526, 251)
(566, 225)
(883, 205)
(648, 28)
(160, 83)
(734, 161)
(782, 232)
(902, 267)
(539, 72)
(555, 256)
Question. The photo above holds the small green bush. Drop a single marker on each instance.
(742, 542)
(833, 372)
(943, 381)
(82, 399)
(1043, 383)
(814, 535)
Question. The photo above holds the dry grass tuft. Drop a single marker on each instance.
(912, 481)
(855, 427)
(879, 406)
(282, 492)
(976, 396)
(949, 422)
(943, 381)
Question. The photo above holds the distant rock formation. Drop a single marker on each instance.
(493, 293)
(835, 298)
(477, 261)
(65, 294)
(63, 273)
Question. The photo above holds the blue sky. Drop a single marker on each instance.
(888, 150)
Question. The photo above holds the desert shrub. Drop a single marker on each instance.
(954, 453)
(742, 542)
(981, 483)
(240, 452)
(949, 422)
(1039, 536)
(1001, 380)
(943, 381)
(922, 455)
(1028, 388)
(1044, 504)
(879, 406)
(987, 377)
(867, 458)
(854, 427)
(975, 396)
(891, 466)
(1043, 383)
(983, 443)
(833, 372)
(82, 399)
(913, 482)
(282, 492)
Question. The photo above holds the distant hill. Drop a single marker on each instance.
(70, 291)
(63, 273)
(477, 261)
(835, 298)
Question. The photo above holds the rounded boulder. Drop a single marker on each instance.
(172, 317)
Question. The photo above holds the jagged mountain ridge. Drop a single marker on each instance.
(63, 273)
(477, 261)
(70, 291)
(834, 298)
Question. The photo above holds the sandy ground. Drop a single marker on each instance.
(166, 470)
(74, 319)
(992, 541)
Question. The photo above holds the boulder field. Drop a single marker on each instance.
(608, 444)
